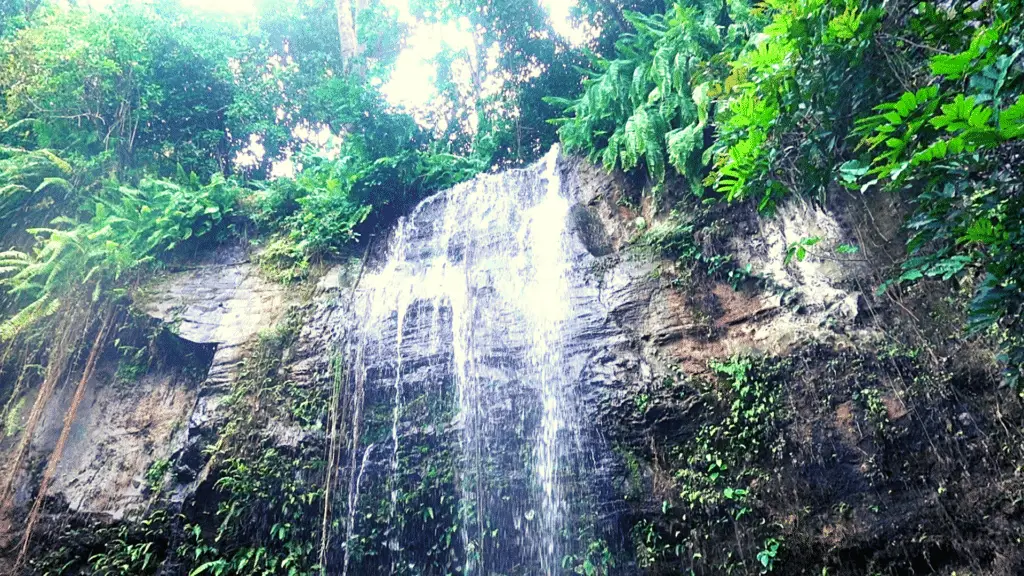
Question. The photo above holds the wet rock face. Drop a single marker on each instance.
(441, 336)
(636, 350)
(483, 340)
(523, 391)
(221, 302)
(123, 427)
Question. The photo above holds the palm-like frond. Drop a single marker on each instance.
(129, 228)
(633, 102)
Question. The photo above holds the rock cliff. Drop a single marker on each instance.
(774, 415)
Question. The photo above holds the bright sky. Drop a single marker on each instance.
(412, 83)
(226, 6)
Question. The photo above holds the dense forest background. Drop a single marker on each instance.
(134, 134)
(142, 127)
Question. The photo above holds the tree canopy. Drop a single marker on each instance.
(739, 100)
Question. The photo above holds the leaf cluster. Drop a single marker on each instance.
(953, 145)
(123, 229)
(645, 106)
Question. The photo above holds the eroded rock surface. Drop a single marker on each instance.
(222, 300)
(871, 439)
(122, 428)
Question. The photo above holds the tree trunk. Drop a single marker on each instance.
(347, 32)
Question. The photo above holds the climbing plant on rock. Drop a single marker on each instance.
(953, 146)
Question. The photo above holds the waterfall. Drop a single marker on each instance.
(546, 297)
(462, 340)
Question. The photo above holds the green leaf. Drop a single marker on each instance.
(906, 104)
(911, 275)
(852, 171)
(214, 565)
(957, 66)
(949, 267)
(981, 231)
(1011, 120)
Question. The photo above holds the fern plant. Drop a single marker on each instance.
(647, 106)
(27, 176)
(126, 229)
(766, 79)
(782, 114)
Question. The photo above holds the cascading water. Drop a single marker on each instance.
(461, 342)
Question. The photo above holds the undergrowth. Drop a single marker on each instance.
(718, 474)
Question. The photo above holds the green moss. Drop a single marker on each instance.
(283, 260)
(12, 418)
(133, 365)
(635, 488)
(156, 473)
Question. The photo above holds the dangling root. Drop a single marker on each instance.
(24, 364)
(325, 535)
(69, 419)
(56, 364)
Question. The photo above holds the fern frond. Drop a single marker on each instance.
(25, 317)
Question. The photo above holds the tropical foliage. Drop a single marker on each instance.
(644, 106)
(953, 146)
(133, 135)
(136, 86)
(31, 179)
(799, 96)
(125, 229)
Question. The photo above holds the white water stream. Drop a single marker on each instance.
(484, 271)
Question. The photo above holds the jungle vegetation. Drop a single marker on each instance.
(753, 102)
(136, 133)
(132, 133)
